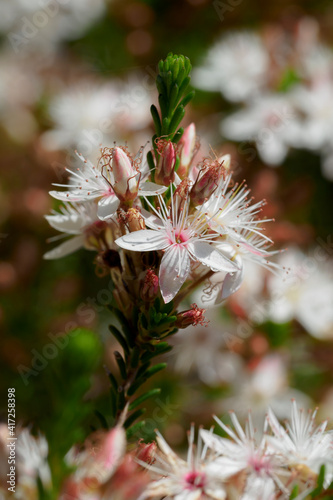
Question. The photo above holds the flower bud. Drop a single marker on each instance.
(193, 316)
(165, 169)
(208, 179)
(146, 452)
(126, 176)
(187, 143)
(134, 220)
(150, 286)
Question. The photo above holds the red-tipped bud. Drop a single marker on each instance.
(126, 176)
(150, 286)
(193, 316)
(165, 170)
(188, 145)
(146, 452)
(208, 179)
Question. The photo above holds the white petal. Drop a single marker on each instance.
(143, 241)
(74, 195)
(211, 257)
(70, 224)
(107, 207)
(150, 189)
(66, 248)
(152, 220)
(174, 269)
(231, 283)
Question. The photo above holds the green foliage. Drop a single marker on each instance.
(172, 83)
(67, 378)
(141, 337)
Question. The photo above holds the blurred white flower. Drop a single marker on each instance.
(237, 66)
(243, 454)
(301, 443)
(32, 463)
(266, 385)
(306, 294)
(20, 89)
(204, 350)
(88, 114)
(270, 121)
(41, 25)
(315, 103)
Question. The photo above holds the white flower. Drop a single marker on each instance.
(204, 350)
(183, 480)
(183, 239)
(270, 121)
(229, 211)
(237, 66)
(73, 220)
(264, 386)
(302, 443)
(32, 463)
(98, 182)
(89, 113)
(242, 454)
(305, 294)
(47, 23)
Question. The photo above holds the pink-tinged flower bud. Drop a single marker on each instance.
(208, 179)
(146, 452)
(104, 457)
(193, 316)
(126, 176)
(165, 170)
(150, 286)
(188, 145)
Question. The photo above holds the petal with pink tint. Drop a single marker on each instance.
(174, 269)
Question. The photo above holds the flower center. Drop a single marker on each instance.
(180, 237)
(259, 463)
(195, 480)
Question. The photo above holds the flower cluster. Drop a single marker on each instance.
(284, 459)
(241, 466)
(202, 225)
(283, 78)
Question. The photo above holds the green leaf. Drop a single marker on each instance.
(135, 428)
(294, 492)
(102, 419)
(177, 118)
(145, 376)
(119, 337)
(187, 98)
(156, 119)
(121, 364)
(131, 419)
(176, 138)
(135, 357)
(138, 401)
(184, 85)
(173, 97)
(160, 348)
